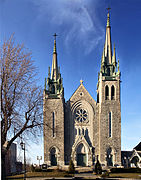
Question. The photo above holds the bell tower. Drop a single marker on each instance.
(108, 101)
(53, 109)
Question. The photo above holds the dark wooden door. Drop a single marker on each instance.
(81, 159)
(53, 160)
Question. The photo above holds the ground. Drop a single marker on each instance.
(83, 173)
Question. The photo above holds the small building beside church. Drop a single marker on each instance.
(135, 159)
(132, 158)
(84, 129)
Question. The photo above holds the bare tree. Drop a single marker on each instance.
(21, 98)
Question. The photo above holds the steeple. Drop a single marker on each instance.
(108, 60)
(108, 44)
(54, 81)
(54, 70)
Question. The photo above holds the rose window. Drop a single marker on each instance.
(81, 115)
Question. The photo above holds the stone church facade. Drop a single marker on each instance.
(83, 129)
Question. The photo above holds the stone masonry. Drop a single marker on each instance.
(83, 129)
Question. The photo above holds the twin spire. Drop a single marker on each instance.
(108, 63)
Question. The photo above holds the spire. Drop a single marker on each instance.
(108, 44)
(54, 70)
(114, 56)
(103, 56)
(54, 81)
(108, 60)
(45, 83)
(103, 61)
(48, 72)
(118, 66)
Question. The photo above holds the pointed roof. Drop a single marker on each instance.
(108, 43)
(138, 147)
(80, 87)
(54, 69)
(108, 59)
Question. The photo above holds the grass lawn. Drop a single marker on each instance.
(41, 174)
(56, 173)
(125, 175)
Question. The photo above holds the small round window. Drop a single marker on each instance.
(81, 115)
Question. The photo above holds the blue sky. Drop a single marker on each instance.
(80, 25)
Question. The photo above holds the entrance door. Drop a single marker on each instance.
(53, 160)
(81, 159)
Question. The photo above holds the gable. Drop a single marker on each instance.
(138, 147)
(81, 93)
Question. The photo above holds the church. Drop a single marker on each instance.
(84, 129)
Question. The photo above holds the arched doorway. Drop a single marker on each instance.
(53, 158)
(109, 157)
(135, 161)
(81, 155)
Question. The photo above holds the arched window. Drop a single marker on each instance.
(110, 124)
(112, 93)
(108, 71)
(83, 131)
(75, 130)
(106, 93)
(79, 132)
(53, 124)
(53, 89)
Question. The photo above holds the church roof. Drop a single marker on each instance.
(126, 154)
(138, 147)
(82, 86)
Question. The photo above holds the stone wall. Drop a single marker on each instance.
(113, 106)
(55, 105)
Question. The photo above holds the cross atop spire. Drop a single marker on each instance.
(54, 50)
(55, 36)
(108, 9)
(108, 16)
(81, 81)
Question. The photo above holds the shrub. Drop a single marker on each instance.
(98, 168)
(32, 168)
(38, 170)
(71, 167)
(105, 174)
